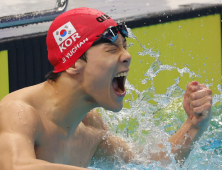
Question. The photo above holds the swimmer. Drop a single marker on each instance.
(53, 125)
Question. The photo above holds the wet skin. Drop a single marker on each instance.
(46, 125)
(49, 121)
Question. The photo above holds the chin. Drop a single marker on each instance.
(116, 108)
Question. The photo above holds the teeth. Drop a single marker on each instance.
(122, 74)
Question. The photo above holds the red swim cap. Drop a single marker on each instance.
(72, 33)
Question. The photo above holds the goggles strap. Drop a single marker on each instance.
(112, 32)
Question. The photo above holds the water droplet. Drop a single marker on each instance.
(129, 45)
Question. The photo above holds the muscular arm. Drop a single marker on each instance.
(197, 104)
(20, 126)
(182, 141)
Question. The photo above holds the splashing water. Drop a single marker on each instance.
(153, 118)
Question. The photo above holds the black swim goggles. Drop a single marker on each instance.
(111, 33)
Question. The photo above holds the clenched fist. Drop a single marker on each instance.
(197, 104)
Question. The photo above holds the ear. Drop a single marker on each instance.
(77, 67)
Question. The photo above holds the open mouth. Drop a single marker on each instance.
(119, 82)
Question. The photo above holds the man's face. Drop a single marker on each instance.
(105, 73)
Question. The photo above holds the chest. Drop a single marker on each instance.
(77, 149)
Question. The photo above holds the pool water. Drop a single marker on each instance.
(144, 125)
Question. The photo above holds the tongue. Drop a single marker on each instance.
(115, 84)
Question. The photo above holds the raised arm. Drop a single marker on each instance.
(197, 104)
(20, 127)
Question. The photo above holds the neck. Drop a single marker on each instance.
(67, 101)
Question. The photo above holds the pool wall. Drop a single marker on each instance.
(189, 37)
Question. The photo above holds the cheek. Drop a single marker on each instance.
(98, 76)
(94, 73)
(101, 68)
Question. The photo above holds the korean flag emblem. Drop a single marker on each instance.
(64, 32)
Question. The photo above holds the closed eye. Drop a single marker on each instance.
(112, 50)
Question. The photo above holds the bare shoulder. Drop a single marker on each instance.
(19, 116)
(20, 129)
(93, 119)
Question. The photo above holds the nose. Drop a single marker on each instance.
(125, 57)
